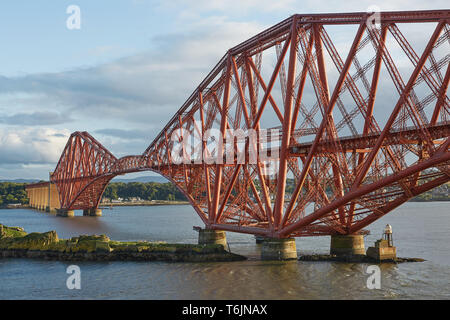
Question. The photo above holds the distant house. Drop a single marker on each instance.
(14, 205)
(134, 199)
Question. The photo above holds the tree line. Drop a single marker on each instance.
(12, 192)
(145, 191)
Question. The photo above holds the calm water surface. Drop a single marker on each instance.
(420, 230)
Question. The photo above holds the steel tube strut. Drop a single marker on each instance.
(331, 178)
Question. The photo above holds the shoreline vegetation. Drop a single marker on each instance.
(13, 194)
(16, 243)
(141, 203)
(109, 205)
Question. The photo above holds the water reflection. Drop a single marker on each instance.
(415, 235)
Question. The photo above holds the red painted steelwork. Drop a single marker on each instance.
(346, 156)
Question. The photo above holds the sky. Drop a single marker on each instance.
(124, 72)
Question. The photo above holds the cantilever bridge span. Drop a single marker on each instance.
(363, 127)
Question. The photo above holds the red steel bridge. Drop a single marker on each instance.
(363, 123)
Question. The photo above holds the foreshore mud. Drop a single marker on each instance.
(16, 243)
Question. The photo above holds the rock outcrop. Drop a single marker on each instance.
(15, 242)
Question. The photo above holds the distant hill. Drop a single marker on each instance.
(143, 179)
(20, 180)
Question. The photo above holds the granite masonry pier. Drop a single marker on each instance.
(351, 248)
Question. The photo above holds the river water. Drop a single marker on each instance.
(420, 230)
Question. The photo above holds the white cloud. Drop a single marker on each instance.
(143, 91)
(143, 88)
(140, 92)
(237, 7)
(31, 145)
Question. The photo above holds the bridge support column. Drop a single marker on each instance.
(65, 213)
(278, 249)
(347, 245)
(93, 212)
(209, 236)
(382, 251)
(259, 239)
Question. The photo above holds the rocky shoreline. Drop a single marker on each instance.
(354, 259)
(16, 243)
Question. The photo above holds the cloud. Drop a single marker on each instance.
(137, 94)
(144, 88)
(31, 145)
(35, 118)
(237, 7)
(127, 101)
(124, 134)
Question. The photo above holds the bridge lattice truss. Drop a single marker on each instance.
(347, 155)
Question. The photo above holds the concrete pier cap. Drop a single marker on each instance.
(93, 212)
(278, 249)
(347, 245)
(211, 236)
(65, 213)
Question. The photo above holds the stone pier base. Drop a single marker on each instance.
(93, 212)
(209, 236)
(259, 239)
(278, 249)
(347, 245)
(382, 251)
(65, 213)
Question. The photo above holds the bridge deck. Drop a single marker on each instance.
(364, 143)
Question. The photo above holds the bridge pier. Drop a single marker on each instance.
(93, 212)
(43, 196)
(210, 236)
(65, 213)
(259, 239)
(382, 251)
(278, 249)
(347, 245)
